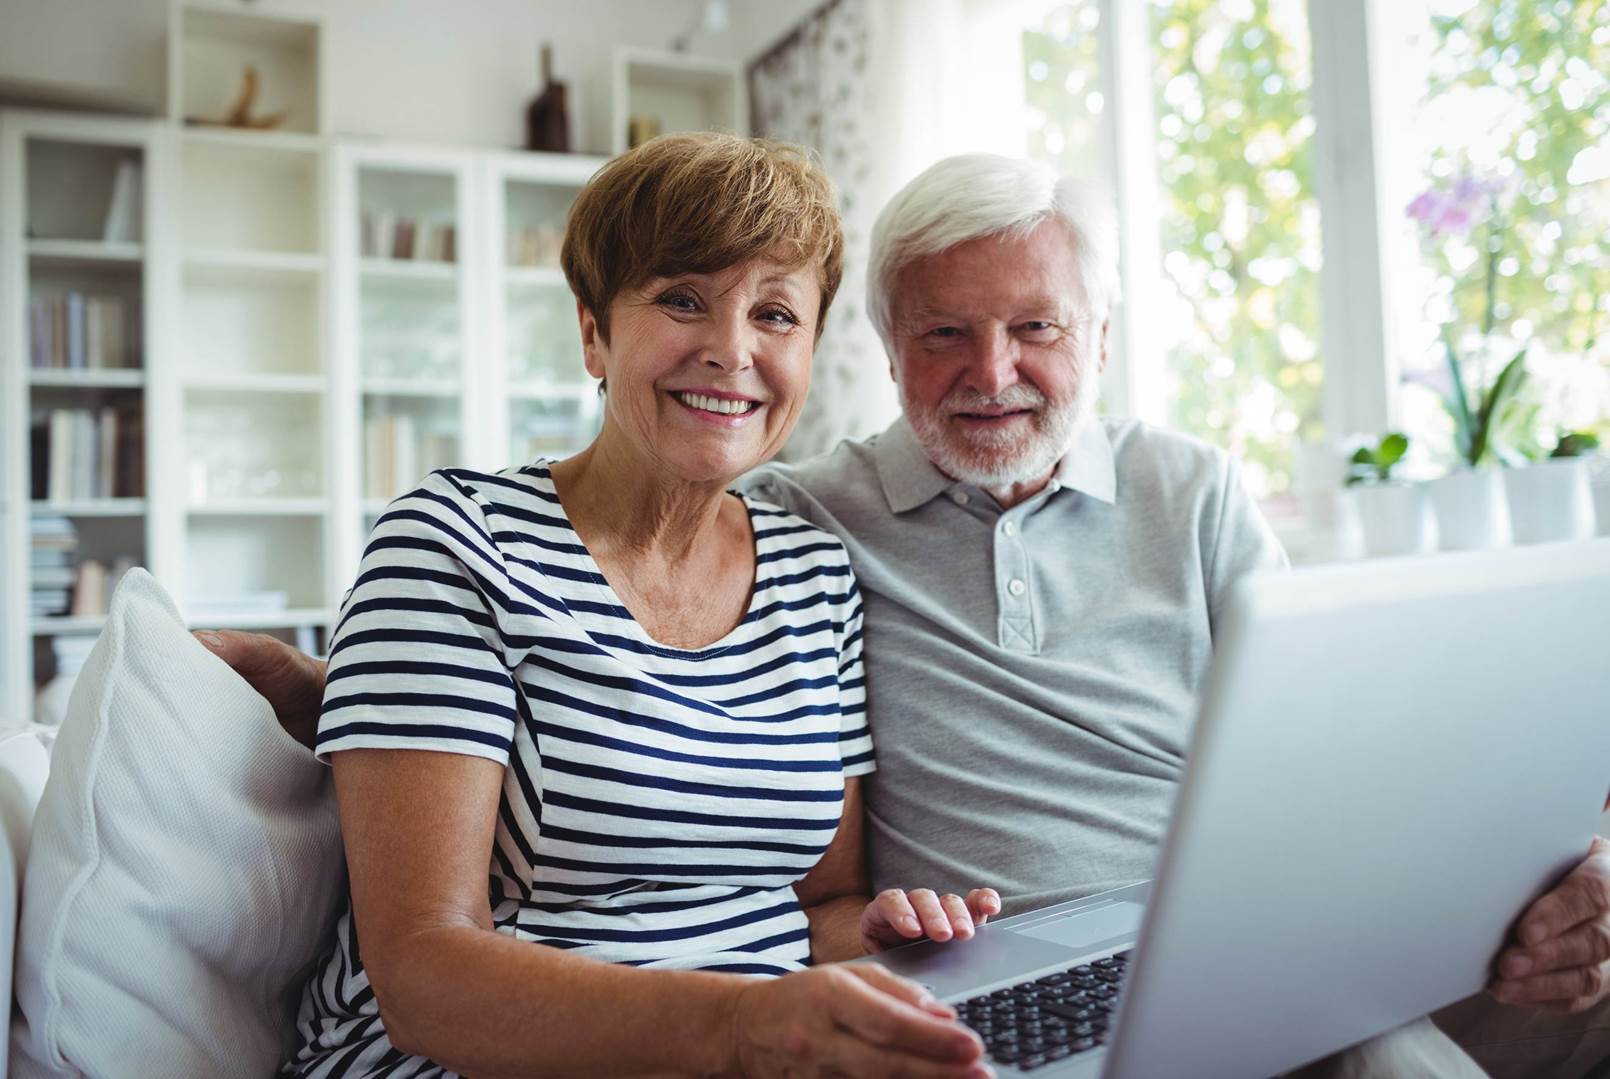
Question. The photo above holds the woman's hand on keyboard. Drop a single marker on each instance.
(897, 917)
(856, 1020)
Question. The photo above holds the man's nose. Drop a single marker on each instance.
(994, 363)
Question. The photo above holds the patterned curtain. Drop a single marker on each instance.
(813, 89)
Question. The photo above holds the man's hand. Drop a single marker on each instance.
(1561, 960)
(289, 679)
(894, 917)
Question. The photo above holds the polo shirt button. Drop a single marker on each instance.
(960, 498)
(1010, 528)
(1016, 587)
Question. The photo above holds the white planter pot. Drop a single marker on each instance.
(1472, 510)
(1550, 501)
(1395, 519)
(1599, 479)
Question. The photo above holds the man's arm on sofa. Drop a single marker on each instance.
(289, 679)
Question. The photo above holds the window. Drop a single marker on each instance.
(1512, 146)
(1238, 296)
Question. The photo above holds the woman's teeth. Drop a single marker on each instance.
(716, 404)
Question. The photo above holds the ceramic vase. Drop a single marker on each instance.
(1394, 519)
(1472, 510)
(1550, 501)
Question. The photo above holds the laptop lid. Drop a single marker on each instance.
(1392, 760)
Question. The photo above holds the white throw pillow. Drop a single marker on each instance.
(185, 868)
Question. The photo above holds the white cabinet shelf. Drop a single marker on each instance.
(382, 269)
(66, 624)
(93, 379)
(83, 251)
(249, 382)
(290, 618)
(241, 265)
(260, 507)
(94, 507)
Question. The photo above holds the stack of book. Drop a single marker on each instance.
(535, 246)
(52, 545)
(398, 455)
(74, 331)
(385, 235)
(81, 453)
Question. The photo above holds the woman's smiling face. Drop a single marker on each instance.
(707, 372)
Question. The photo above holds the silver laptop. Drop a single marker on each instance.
(1392, 759)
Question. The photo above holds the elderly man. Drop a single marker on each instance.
(1041, 593)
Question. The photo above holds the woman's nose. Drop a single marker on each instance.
(730, 344)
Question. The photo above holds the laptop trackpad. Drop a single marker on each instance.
(1086, 929)
(960, 966)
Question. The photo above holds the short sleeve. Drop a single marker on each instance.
(1243, 543)
(417, 660)
(855, 737)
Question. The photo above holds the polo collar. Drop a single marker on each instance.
(910, 479)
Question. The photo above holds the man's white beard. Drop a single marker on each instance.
(998, 459)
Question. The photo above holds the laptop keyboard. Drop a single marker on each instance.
(1037, 1022)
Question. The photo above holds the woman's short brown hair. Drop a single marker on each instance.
(698, 203)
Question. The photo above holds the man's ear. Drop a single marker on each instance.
(1106, 338)
(592, 341)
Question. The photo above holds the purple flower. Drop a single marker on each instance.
(1453, 211)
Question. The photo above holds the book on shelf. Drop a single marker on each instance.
(218, 610)
(74, 331)
(80, 453)
(123, 212)
(535, 246)
(390, 455)
(52, 544)
(385, 235)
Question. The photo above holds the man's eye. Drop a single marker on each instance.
(944, 331)
(1037, 326)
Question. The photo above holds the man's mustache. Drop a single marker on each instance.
(1009, 400)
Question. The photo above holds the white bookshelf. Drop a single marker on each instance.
(251, 519)
(76, 203)
(678, 92)
(269, 337)
(542, 402)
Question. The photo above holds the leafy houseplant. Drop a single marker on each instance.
(1374, 465)
(1394, 518)
(1575, 444)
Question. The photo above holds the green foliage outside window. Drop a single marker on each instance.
(1239, 228)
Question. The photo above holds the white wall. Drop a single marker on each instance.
(422, 70)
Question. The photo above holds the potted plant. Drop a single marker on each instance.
(1471, 504)
(1394, 517)
(1551, 500)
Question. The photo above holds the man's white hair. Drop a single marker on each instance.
(972, 195)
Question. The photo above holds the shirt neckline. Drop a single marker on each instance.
(601, 582)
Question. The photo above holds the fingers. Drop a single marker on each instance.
(879, 1008)
(892, 908)
(935, 922)
(961, 919)
(1575, 990)
(1583, 896)
(984, 903)
(904, 989)
(1586, 945)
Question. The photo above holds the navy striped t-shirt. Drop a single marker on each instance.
(657, 803)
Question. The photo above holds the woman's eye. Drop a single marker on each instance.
(678, 301)
(780, 315)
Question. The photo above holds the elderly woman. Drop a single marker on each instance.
(596, 724)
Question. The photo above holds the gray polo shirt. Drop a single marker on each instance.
(1032, 674)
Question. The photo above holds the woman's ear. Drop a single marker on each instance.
(592, 341)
